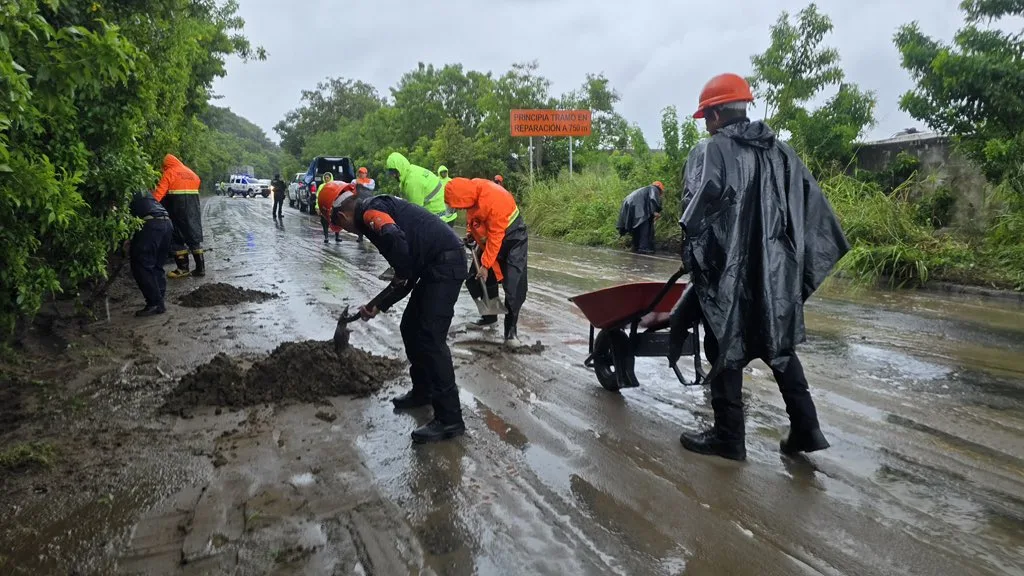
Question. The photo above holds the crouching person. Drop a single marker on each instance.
(429, 263)
(147, 250)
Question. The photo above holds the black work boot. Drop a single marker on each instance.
(435, 431)
(181, 263)
(326, 240)
(410, 401)
(150, 311)
(484, 321)
(337, 238)
(797, 441)
(200, 259)
(709, 442)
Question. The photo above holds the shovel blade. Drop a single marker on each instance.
(341, 332)
(490, 306)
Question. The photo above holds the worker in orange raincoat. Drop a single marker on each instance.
(178, 191)
(493, 221)
(365, 187)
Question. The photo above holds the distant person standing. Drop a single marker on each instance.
(178, 191)
(327, 179)
(365, 187)
(499, 180)
(280, 189)
(640, 210)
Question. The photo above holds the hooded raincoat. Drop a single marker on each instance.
(638, 207)
(420, 186)
(493, 220)
(759, 239)
(178, 191)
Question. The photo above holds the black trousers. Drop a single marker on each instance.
(327, 227)
(727, 395)
(186, 215)
(147, 251)
(512, 260)
(424, 330)
(278, 206)
(643, 237)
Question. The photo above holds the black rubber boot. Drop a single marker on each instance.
(803, 442)
(409, 401)
(337, 238)
(150, 311)
(181, 263)
(710, 443)
(485, 321)
(200, 259)
(326, 240)
(436, 431)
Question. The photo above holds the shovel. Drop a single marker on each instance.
(341, 331)
(487, 306)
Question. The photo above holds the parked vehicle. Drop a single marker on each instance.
(263, 187)
(293, 189)
(244, 185)
(340, 168)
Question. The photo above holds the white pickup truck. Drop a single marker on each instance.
(246, 186)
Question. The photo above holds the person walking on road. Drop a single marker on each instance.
(494, 223)
(280, 190)
(365, 187)
(640, 210)
(420, 186)
(327, 179)
(759, 238)
(147, 250)
(178, 191)
(430, 263)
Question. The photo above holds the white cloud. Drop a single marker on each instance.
(655, 52)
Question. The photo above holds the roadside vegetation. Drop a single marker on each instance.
(76, 140)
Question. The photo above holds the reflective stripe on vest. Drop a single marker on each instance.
(183, 191)
(512, 218)
(430, 196)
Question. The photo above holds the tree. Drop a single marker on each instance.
(333, 101)
(670, 133)
(795, 68)
(973, 88)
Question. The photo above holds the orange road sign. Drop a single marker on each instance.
(575, 123)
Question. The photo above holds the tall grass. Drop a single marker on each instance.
(581, 210)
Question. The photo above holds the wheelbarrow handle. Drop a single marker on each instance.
(662, 293)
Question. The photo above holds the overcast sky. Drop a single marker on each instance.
(655, 52)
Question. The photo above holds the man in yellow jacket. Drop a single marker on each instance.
(420, 186)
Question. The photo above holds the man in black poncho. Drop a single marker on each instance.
(639, 211)
(759, 238)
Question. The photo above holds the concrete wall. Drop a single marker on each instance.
(941, 166)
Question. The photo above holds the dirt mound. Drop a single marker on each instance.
(219, 293)
(306, 371)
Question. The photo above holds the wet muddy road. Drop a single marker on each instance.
(921, 396)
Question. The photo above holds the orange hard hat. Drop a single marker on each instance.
(499, 179)
(723, 89)
(362, 170)
(659, 185)
(332, 195)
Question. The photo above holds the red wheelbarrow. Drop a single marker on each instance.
(617, 312)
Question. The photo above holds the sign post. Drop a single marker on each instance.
(554, 123)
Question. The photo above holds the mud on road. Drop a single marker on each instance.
(921, 396)
(221, 294)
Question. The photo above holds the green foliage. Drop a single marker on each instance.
(221, 140)
(795, 69)
(28, 455)
(936, 208)
(973, 88)
(93, 96)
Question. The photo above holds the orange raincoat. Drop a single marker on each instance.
(176, 179)
(490, 210)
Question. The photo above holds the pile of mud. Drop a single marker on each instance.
(306, 371)
(219, 293)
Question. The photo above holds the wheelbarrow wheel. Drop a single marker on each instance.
(608, 345)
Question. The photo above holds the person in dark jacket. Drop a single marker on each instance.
(147, 250)
(280, 191)
(759, 238)
(430, 263)
(640, 210)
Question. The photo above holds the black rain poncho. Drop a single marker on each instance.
(638, 207)
(759, 239)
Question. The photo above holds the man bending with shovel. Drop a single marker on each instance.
(429, 262)
(494, 223)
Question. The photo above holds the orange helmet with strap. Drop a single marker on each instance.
(723, 89)
(331, 197)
